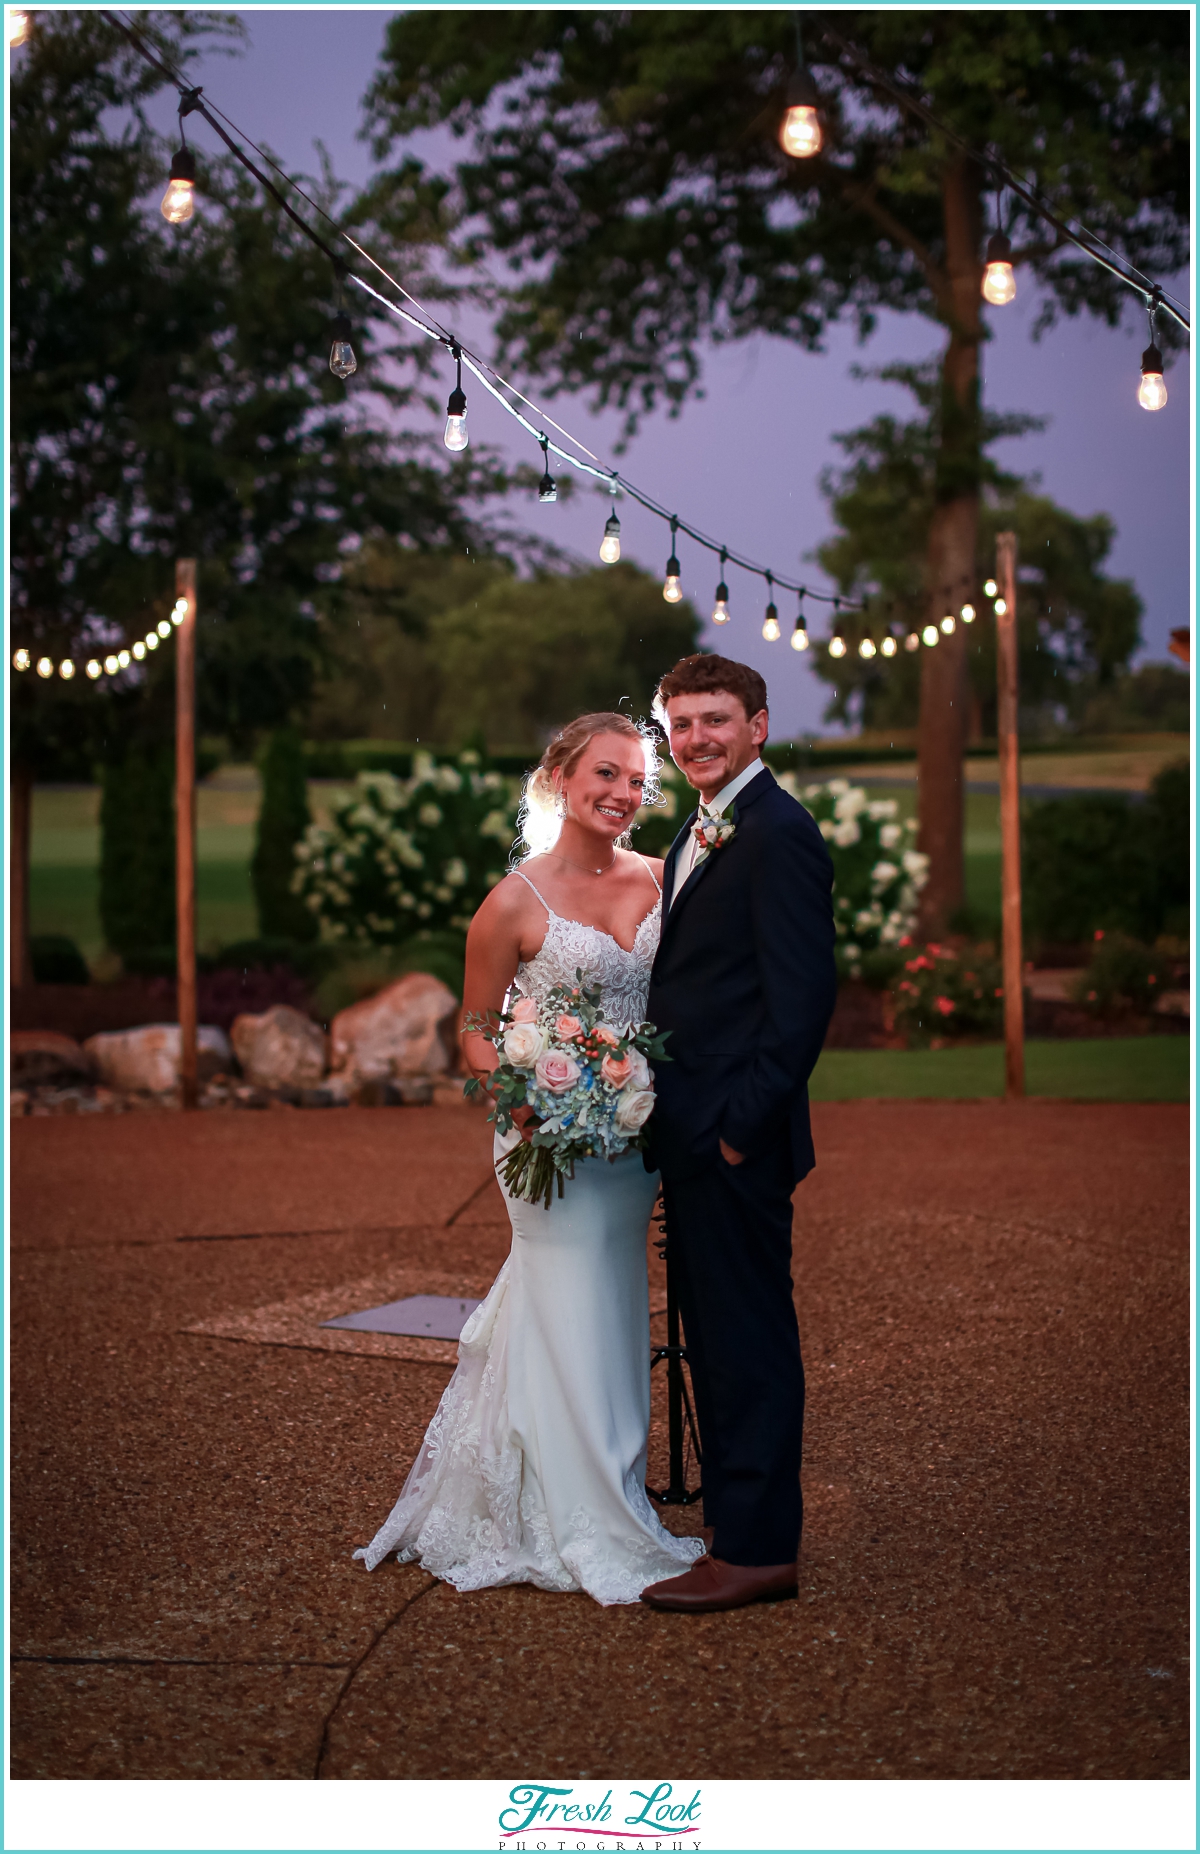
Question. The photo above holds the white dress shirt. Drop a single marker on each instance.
(686, 861)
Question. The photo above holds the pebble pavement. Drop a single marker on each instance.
(994, 1581)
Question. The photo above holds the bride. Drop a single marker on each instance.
(533, 1468)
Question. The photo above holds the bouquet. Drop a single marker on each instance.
(589, 1085)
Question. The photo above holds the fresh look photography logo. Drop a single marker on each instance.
(559, 1816)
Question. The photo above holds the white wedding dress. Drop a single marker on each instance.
(533, 1468)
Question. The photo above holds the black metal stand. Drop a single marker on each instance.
(679, 1403)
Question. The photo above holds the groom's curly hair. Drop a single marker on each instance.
(703, 673)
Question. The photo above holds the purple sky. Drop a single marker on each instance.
(744, 463)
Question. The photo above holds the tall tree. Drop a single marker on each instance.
(1076, 627)
(626, 165)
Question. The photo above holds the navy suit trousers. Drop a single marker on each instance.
(729, 1236)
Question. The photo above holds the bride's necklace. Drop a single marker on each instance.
(583, 869)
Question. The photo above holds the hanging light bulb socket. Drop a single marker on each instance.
(721, 613)
(456, 409)
(800, 133)
(837, 641)
(672, 588)
(1152, 388)
(770, 628)
(343, 361)
(999, 282)
(610, 546)
(547, 488)
(179, 200)
(800, 629)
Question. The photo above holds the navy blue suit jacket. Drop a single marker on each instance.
(745, 981)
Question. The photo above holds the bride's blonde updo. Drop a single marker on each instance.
(541, 814)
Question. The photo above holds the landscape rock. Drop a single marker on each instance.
(408, 1029)
(279, 1048)
(146, 1060)
(41, 1056)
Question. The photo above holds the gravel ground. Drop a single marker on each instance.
(994, 1309)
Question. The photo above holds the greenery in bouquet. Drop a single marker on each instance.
(946, 991)
(403, 856)
(877, 875)
(588, 1083)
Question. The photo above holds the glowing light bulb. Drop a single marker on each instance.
(968, 614)
(837, 646)
(721, 613)
(610, 546)
(800, 131)
(139, 650)
(111, 665)
(456, 413)
(66, 669)
(948, 624)
(1152, 392)
(1001, 608)
(888, 647)
(16, 25)
(179, 614)
(93, 669)
(164, 629)
(151, 641)
(45, 667)
(930, 634)
(912, 641)
(866, 647)
(770, 628)
(179, 200)
(343, 361)
(999, 283)
(800, 636)
(21, 659)
(672, 590)
(123, 658)
(990, 588)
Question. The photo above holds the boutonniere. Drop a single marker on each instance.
(713, 833)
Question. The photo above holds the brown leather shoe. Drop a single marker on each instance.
(713, 1584)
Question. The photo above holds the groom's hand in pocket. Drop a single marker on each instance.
(730, 1156)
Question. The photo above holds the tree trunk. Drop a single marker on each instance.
(950, 571)
(20, 823)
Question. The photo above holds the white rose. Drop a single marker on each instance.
(850, 803)
(826, 828)
(639, 1070)
(523, 1044)
(634, 1108)
(846, 833)
(916, 863)
(890, 836)
(882, 808)
(883, 873)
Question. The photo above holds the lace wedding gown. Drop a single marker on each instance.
(533, 1468)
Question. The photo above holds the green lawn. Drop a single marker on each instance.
(1134, 1068)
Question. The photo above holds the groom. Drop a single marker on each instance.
(744, 980)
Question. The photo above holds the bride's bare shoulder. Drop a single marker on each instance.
(510, 900)
(655, 864)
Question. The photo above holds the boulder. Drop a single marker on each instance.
(409, 1028)
(279, 1048)
(43, 1056)
(146, 1060)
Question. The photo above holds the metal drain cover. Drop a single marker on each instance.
(421, 1316)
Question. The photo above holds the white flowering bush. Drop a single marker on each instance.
(877, 875)
(404, 856)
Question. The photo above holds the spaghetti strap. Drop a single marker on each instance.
(649, 872)
(538, 893)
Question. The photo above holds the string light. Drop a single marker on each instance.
(66, 669)
(770, 628)
(800, 131)
(721, 613)
(990, 588)
(610, 546)
(1001, 608)
(179, 611)
(45, 667)
(21, 659)
(94, 669)
(179, 200)
(151, 642)
(800, 632)
(888, 646)
(547, 488)
(139, 650)
(343, 361)
(456, 409)
(123, 659)
(1152, 389)
(948, 624)
(111, 666)
(913, 641)
(164, 629)
(968, 614)
(930, 635)
(672, 590)
(999, 283)
(837, 643)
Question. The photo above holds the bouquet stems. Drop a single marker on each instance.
(530, 1172)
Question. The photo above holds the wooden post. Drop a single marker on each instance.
(185, 831)
(1010, 818)
(20, 809)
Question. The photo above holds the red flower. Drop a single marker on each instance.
(904, 940)
(945, 1006)
(1099, 934)
(1151, 980)
(999, 991)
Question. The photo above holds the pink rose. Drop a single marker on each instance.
(567, 1028)
(604, 1033)
(556, 1073)
(634, 1108)
(616, 1070)
(524, 1011)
